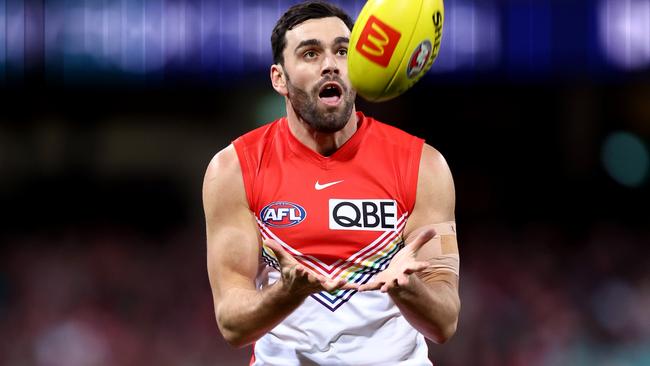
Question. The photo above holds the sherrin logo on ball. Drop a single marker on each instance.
(419, 59)
(393, 44)
(282, 214)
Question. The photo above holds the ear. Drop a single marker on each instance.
(278, 79)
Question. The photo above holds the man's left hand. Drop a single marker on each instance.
(401, 266)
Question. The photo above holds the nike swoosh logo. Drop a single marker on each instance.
(319, 186)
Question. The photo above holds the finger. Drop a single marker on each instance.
(350, 286)
(345, 285)
(313, 275)
(370, 286)
(330, 285)
(416, 267)
(373, 285)
(403, 280)
(390, 285)
(281, 255)
(327, 283)
(385, 287)
(422, 238)
(340, 283)
(335, 284)
(300, 270)
(304, 273)
(289, 272)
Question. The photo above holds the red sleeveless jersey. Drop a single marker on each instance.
(341, 215)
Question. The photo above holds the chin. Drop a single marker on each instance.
(326, 127)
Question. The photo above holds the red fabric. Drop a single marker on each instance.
(377, 162)
(252, 356)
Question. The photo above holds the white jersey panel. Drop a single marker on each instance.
(375, 333)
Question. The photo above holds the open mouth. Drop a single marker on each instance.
(330, 94)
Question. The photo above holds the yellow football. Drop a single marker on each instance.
(393, 44)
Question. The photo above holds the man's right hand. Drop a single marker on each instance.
(298, 280)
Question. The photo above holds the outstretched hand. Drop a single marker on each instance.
(401, 266)
(299, 280)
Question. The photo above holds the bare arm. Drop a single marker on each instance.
(420, 279)
(431, 303)
(243, 312)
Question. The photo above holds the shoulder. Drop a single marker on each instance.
(435, 183)
(434, 176)
(432, 162)
(224, 164)
(436, 197)
(223, 183)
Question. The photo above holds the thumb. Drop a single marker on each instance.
(280, 254)
(422, 238)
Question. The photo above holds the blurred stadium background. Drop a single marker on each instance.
(111, 110)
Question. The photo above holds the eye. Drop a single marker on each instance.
(343, 52)
(310, 54)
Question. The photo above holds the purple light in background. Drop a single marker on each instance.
(229, 34)
(111, 34)
(52, 36)
(15, 35)
(3, 39)
(625, 32)
(153, 36)
(93, 26)
(133, 36)
(181, 35)
(256, 42)
(471, 37)
(34, 38)
(210, 40)
(87, 37)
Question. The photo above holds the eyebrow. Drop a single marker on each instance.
(308, 42)
(315, 42)
(341, 40)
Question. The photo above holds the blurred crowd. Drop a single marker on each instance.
(107, 297)
(531, 295)
(543, 296)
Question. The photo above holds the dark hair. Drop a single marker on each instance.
(299, 13)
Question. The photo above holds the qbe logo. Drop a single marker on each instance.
(282, 214)
(372, 215)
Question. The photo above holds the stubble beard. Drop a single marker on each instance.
(321, 118)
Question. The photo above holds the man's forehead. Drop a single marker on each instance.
(323, 29)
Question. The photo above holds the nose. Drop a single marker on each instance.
(330, 65)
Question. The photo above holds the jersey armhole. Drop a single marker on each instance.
(246, 170)
(413, 172)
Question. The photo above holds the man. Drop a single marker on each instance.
(331, 236)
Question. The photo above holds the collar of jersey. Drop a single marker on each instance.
(344, 153)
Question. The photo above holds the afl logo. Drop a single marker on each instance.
(282, 214)
(419, 59)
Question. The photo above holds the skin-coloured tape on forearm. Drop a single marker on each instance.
(443, 263)
(448, 260)
(448, 244)
(445, 228)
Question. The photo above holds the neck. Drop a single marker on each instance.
(323, 143)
